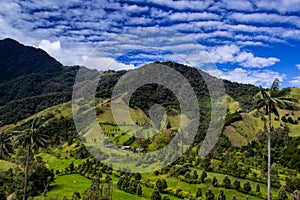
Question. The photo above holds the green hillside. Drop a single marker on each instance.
(38, 132)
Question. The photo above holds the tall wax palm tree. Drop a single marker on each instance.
(31, 140)
(270, 101)
(5, 144)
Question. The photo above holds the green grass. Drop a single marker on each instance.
(5, 165)
(232, 105)
(66, 185)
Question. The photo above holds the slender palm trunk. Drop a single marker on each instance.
(269, 154)
(26, 172)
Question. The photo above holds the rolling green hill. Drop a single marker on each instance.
(40, 89)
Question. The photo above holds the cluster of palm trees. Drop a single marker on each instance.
(29, 140)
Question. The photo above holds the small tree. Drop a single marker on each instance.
(247, 187)
(199, 192)
(237, 185)
(166, 198)
(138, 176)
(187, 175)
(214, 181)
(203, 176)
(161, 185)
(156, 195)
(226, 182)
(76, 196)
(257, 188)
(195, 174)
(282, 194)
(71, 167)
(139, 189)
(221, 195)
(209, 195)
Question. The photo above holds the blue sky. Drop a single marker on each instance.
(250, 41)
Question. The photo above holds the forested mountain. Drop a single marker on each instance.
(31, 80)
(33, 88)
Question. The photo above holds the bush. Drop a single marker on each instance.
(166, 198)
(187, 175)
(139, 190)
(226, 182)
(209, 195)
(282, 194)
(156, 195)
(199, 192)
(178, 190)
(234, 117)
(257, 188)
(214, 182)
(247, 187)
(161, 184)
(203, 176)
(195, 174)
(237, 185)
(221, 195)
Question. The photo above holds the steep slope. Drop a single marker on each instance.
(245, 130)
(31, 81)
(18, 60)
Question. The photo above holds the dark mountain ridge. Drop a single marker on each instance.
(31, 80)
(18, 60)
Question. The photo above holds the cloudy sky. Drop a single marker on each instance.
(250, 41)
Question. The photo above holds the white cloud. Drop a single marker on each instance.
(189, 16)
(256, 77)
(67, 56)
(233, 54)
(249, 60)
(105, 63)
(223, 54)
(295, 81)
(238, 5)
(265, 18)
(282, 6)
(298, 66)
(183, 5)
(53, 48)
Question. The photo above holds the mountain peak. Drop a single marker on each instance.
(18, 60)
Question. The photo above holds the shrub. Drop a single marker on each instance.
(195, 174)
(257, 188)
(226, 182)
(247, 187)
(203, 176)
(199, 192)
(187, 175)
(139, 190)
(221, 195)
(209, 195)
(155, 195)
(214, 182)
(161, 184)
(282, 194)
(237, 185)
(178, 190)
(166, 198)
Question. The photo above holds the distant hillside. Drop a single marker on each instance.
(31, 81)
